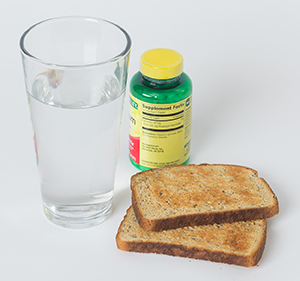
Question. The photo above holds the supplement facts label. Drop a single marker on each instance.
(160, 133)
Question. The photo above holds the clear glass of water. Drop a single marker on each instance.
(75, 71)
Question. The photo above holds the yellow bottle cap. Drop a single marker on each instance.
(161, 64)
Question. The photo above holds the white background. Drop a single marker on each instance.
(244, 61)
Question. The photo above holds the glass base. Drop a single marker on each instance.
(77, 216)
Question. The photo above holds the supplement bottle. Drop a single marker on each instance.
(160, 111)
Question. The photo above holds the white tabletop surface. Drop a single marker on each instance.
(244, 61)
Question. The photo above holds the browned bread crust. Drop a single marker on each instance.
(191, 195)
(239, 243)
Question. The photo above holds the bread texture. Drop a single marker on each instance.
(240, 243)
(191, 195)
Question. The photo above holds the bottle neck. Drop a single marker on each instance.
(161, 83)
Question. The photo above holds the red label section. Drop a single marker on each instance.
(134, 149)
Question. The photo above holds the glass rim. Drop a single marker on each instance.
(122, 54)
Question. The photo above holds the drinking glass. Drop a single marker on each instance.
(75, 71)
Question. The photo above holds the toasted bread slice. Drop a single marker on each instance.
(240, 243)
(190, 195)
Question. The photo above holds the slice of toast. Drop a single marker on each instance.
(190, 195)
(240, 243)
